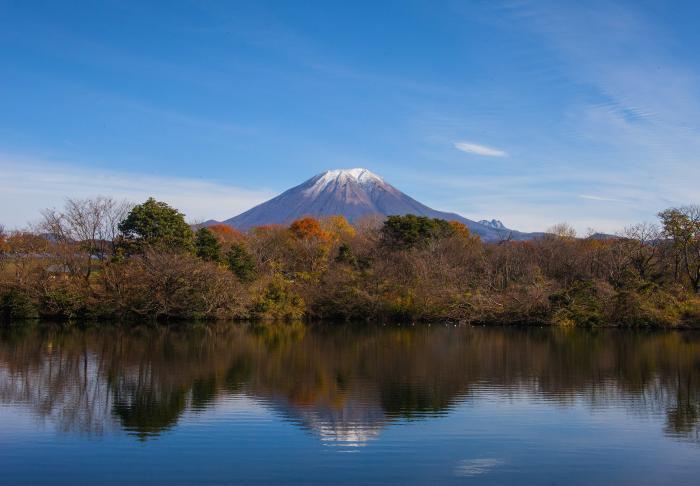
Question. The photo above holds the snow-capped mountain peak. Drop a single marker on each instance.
(341, 177)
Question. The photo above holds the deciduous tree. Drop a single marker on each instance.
(85, 229)
(307, 229)
(338, 228)
(226, 233)
(682, 226)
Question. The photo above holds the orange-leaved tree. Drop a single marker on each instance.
(226, 233)
(308, 229)
(460, 229)
(310, 246)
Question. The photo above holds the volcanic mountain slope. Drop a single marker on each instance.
(353, 193)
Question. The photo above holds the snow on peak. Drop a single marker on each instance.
(494, 223)
(342, 176)
(359, 174)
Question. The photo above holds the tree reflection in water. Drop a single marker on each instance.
(342, 382)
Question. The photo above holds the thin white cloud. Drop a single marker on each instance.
(598, 198)
(29, 185)
(473, 148)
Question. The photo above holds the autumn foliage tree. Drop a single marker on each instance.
(308, 229)
(309, 247)
(338, 228)
(682, 228)
(226, 234)
(462, 233)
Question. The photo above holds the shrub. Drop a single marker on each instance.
(240, 262)
(410, 231)
(173, 285)
(277, 300)
(17, 305)
(63, 301)
(578, 305)
(645, 306)
(207, 246)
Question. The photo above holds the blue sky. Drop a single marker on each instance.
(532, 112)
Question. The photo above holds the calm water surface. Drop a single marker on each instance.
(246, 403)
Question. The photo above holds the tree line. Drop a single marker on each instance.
(105, 259)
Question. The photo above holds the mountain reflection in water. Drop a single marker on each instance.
(343, 383)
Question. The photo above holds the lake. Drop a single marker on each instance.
(328, 403)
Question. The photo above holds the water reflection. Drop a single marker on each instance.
(342, 383)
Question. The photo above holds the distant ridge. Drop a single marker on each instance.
(355, 193)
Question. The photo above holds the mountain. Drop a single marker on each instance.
(355, 193)
(494, 223)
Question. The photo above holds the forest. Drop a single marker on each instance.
(101, 259)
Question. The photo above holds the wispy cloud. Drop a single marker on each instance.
(598, 198)
(474, 148)
(29, 185)
(650, 114)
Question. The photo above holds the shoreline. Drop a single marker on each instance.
(185, 322)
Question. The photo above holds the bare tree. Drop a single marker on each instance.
(562, 230)
(114, 213)
(85, 229)
(641, 243)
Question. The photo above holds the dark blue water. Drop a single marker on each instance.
(299, 403)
